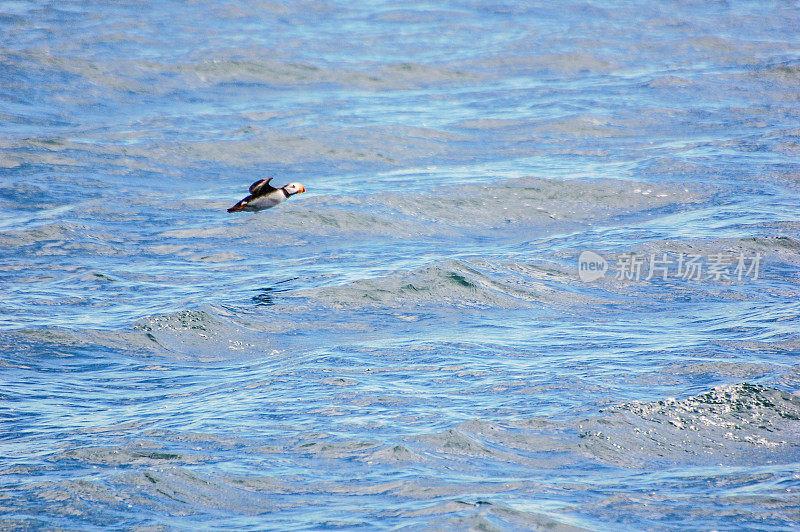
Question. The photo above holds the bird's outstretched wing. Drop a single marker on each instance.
(261, 187)
(257, 190)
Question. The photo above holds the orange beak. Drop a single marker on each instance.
(302, 189)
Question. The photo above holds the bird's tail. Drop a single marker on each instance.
(238, 207)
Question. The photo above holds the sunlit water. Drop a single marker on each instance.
(411, 343)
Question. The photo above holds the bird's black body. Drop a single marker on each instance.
(264, 196)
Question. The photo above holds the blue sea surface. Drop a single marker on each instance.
(546, 273)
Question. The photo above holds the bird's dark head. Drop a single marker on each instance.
(294, 188)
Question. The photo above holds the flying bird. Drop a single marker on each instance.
(265, 196)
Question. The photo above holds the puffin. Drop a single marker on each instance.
(265, 196)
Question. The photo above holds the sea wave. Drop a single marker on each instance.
(739, 423)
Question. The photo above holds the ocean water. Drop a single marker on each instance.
(545, 276)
